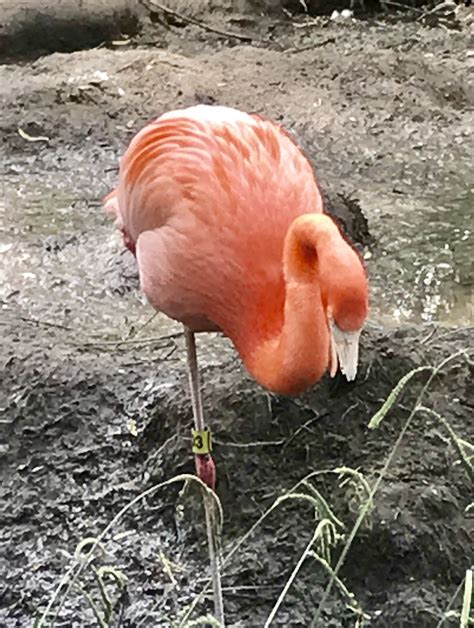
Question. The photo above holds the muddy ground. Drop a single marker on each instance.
(95, 406)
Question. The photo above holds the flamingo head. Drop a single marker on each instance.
(345, 291)
(316, 251)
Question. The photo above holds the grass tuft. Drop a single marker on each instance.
(83, 559)
(467, 600)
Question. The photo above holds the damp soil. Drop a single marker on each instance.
(93, 395)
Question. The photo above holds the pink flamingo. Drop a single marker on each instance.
(224, 215)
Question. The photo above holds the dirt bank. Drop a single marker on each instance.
(70, 463)
(382, 108)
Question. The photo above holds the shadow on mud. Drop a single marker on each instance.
(33, 32)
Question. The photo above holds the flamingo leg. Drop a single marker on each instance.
(205, 466)
(193, 375)
(206, 471)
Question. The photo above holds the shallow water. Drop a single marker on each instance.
(421, 269)
(59, 259)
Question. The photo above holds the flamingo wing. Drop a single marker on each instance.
(207, 195)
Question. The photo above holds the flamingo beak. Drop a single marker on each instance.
(344, 351)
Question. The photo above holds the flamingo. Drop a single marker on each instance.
(224, 215)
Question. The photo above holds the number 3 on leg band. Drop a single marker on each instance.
(202, 442)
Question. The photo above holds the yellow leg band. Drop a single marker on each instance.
(202, 442)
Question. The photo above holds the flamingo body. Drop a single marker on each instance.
(208, 200)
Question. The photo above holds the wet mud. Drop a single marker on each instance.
(93, 395)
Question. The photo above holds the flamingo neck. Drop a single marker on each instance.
(296, 356)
